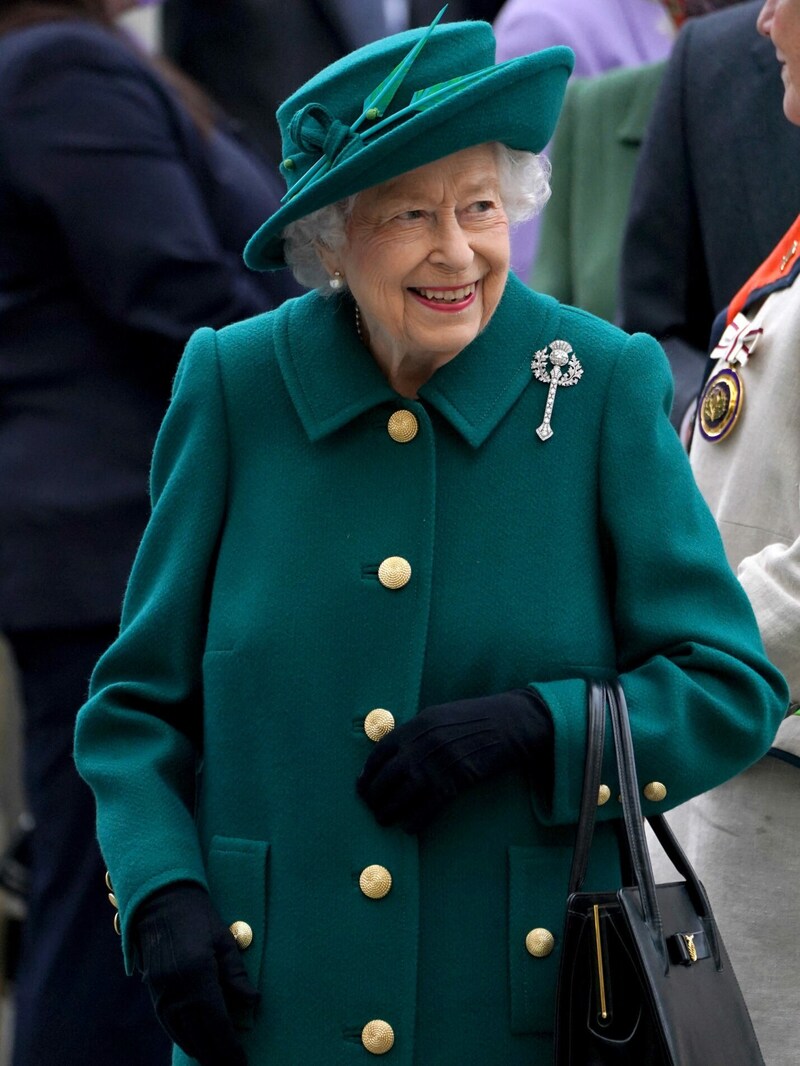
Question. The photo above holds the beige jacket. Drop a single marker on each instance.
(751, 482)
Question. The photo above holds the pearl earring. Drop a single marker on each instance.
(336, 281)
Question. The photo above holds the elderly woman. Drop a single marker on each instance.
(396, 525)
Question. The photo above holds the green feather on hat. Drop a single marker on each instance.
(400, 103)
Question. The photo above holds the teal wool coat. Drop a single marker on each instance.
(225, 728)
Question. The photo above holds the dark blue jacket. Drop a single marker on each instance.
(121, 230)
(715, 189)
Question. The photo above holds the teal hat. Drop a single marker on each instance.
(400, 103)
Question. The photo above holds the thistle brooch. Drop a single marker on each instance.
(558, 354)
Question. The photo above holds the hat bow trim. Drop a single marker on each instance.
(317, 132)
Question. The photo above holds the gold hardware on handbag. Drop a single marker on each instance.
(644, 975)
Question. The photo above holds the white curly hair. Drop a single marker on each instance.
(524, 190)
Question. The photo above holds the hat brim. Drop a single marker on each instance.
(517, 103)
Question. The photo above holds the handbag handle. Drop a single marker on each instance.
(632, 815)
(611, 693)
(595, 735)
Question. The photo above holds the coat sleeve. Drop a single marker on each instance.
(139, 735)
(99, 152)
(771, 580)
(704, 701)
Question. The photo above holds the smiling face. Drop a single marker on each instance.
(426, 259)
(780, 21)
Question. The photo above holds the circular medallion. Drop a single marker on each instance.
(720, 404)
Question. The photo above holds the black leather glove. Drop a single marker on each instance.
(189, 960)
(417, 769)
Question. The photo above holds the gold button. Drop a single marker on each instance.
(112, 899)
(394, 572)
(655, 791)
(603, 795)
(109, 886)
(540, 942)
(242, 934)
(377, 1037)
(378, 723)
(117, 929)
(375, 882)
(403, 426)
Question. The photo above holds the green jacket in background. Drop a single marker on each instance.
(225, 728)
(594, 155)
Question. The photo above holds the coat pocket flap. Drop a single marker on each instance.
(536, 920)
(237, 880)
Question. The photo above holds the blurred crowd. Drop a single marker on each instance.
(138, 153)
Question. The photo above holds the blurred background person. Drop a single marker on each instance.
(714, 189)
(594, 154)
(12, 873)
(252, 54)
(124, 207)
(603, 34)
(743, 835)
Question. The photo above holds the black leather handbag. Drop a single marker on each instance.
(645, 979)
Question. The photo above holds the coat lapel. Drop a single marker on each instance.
(330, 376)
(332, 379)
(477, 389)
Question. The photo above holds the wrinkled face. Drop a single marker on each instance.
(427, 257)
(780, 21)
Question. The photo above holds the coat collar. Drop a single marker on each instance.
(332, 379)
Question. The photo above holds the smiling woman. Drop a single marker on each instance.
(524, 190)
(426, 259)
(342, 730)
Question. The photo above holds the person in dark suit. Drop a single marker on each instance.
(252, 54)
(714, 189)
(124, 209)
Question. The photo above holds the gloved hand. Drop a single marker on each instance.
(417, 769)
(189, 960)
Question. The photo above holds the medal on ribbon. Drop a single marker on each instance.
(723, 396)
(548, 366)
